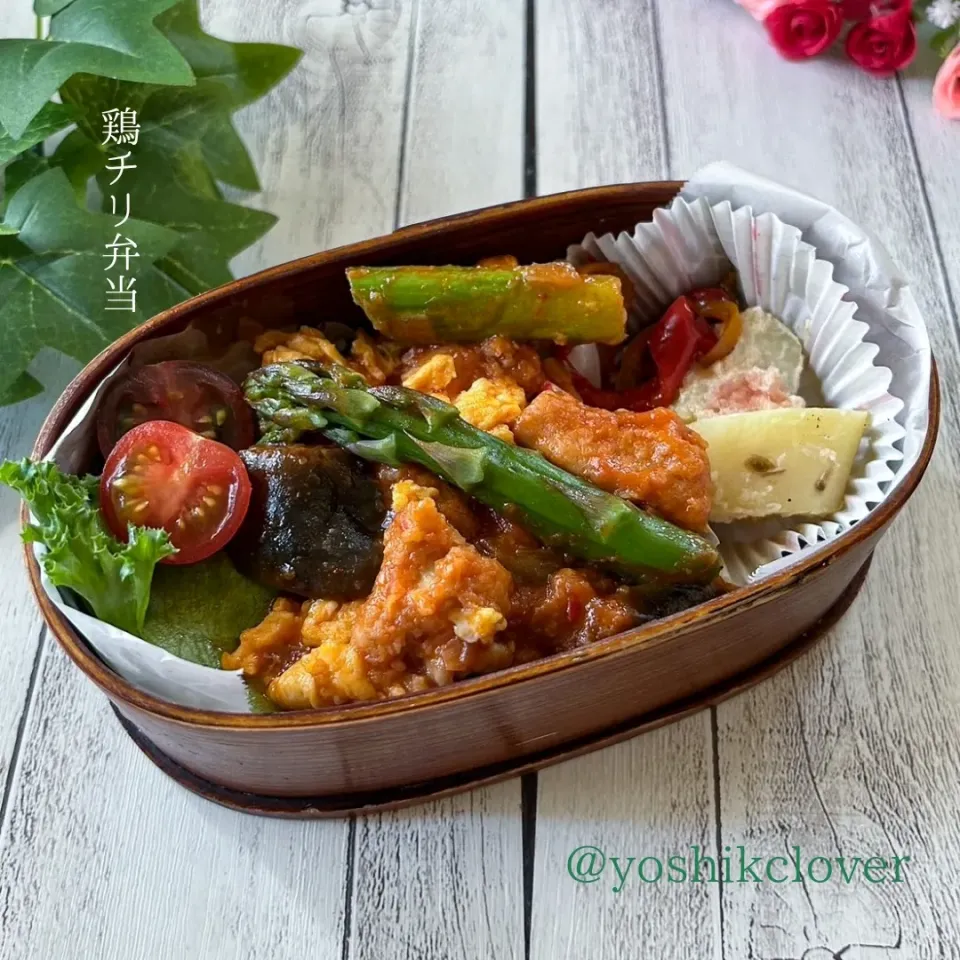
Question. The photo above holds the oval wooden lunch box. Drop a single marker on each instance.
(382, 754)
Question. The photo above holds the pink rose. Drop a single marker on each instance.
(946, 89)
(760, 9)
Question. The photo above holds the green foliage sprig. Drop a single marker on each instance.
(151, 56)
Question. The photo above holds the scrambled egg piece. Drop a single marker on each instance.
(433, 376)
(306, 344)
(375, 362)
(453, 504)
(405, 492)
(265, 649)
(449, 370)
(492, 405)
(434, 613)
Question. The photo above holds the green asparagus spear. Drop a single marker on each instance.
(546, 301)
(395, 425)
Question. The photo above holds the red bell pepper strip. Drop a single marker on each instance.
(706, 295)
(674, 344)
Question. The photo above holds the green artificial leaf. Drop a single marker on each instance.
(226, 155)
(87, 36)
(80, 159)
(188, 144)
(23, 388)
(173, 183)
(212, 230)
(237, 73)
(47, 8)
(53, 118)
(52, 280)
(53, 276)
(943, 41)
(27, 166)
(199, 611)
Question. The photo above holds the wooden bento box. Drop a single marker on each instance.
(387, 753)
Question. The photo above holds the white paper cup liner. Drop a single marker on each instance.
(694, 244)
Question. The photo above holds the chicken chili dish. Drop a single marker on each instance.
(497, 467)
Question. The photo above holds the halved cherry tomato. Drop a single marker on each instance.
(161, 474)
(181, 391)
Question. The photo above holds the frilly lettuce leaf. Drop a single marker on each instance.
(114, 578)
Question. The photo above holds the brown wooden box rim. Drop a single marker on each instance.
(652, 194)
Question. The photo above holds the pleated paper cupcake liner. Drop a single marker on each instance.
(694, 243)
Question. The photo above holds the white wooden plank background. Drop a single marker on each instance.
(847, 752)
(409, 109)
(599, 120)
(463, 146)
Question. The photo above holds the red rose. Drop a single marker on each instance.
(804, 28)
(883, 45)
(867, 9)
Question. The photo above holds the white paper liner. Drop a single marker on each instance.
(683, 248)
(864, 338)
(147, 667)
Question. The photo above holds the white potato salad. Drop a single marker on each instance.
(769, 454)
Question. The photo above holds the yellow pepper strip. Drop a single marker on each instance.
(729, 315)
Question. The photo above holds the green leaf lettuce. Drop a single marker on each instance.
(81, 554)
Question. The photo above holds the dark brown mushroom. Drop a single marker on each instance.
(314, 527)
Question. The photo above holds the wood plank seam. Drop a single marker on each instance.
(661, 84)
(530, 102)
(529, 782)
(42, 643)
(405, 115)
(348, 889)
(528, 839)
(718, 814)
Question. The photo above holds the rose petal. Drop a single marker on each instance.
(946, 88)
(760, 9)
(804, 28)
(882, 45)
(872, 9)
